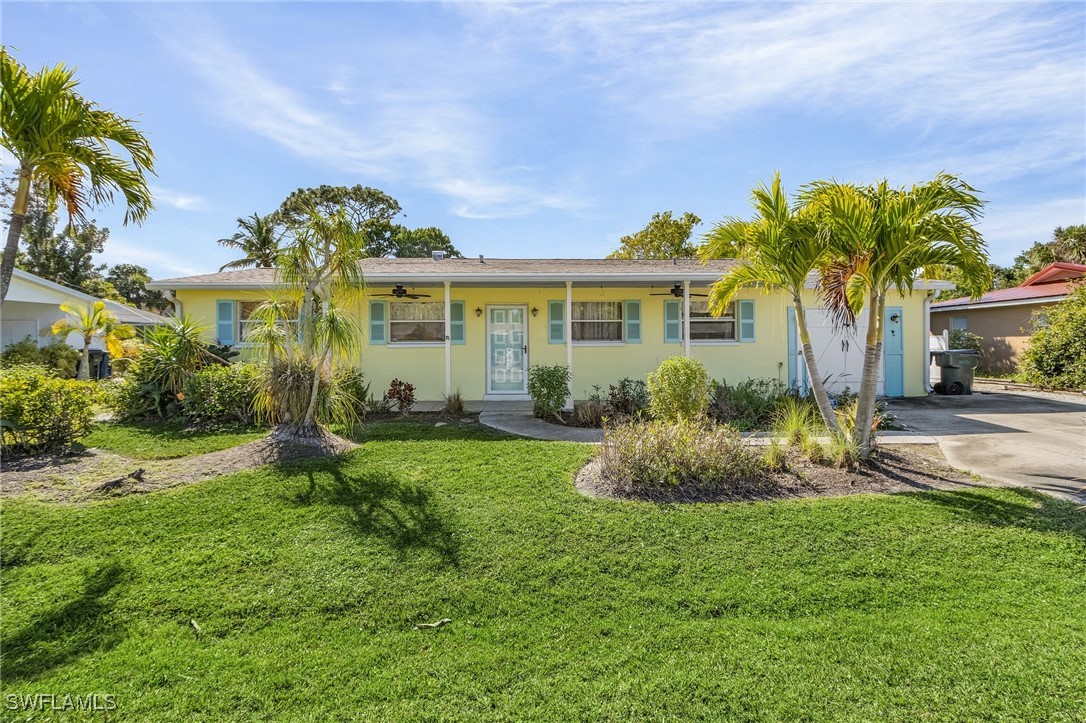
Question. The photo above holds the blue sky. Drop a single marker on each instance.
(552, 130)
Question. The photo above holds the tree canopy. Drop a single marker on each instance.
(663, 237)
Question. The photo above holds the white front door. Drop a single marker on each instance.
(507, 349)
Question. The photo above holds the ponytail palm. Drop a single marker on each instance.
(67, 146)
(777, 250)
(880, 238)
(91, 322)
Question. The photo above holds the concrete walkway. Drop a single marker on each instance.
(526, 425)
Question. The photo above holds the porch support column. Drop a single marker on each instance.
(448, 339)
(686, 318)
(569, 340)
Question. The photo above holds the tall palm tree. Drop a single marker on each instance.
(880, 238)
(778, 249)
(258, 239)
(65, 145)
(92, 322)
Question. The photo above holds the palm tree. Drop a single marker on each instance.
(321, 271)
(258, 240)
(879, 239)
(778, 249)
(65, 145)
(90, 322)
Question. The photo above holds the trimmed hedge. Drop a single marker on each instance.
(222, 393)
(41, 412)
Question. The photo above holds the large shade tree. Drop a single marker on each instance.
(880, 238)
(778, 249)
(76, 152)
(663, 237)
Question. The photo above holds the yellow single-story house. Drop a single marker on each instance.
(477, 325)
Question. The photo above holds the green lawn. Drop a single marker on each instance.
(167, 440)
(307, 581)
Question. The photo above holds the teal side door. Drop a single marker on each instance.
(893, 356)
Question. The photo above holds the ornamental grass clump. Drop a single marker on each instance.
(685, 453)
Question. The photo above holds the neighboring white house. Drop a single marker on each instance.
(33, 304)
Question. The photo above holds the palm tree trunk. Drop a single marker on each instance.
(818, 389)
(84, 366)
(15, 231)
(865, 402)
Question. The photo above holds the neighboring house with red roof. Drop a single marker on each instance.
(1004, 316)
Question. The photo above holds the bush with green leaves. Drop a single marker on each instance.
(548, 387)
(41, 412)
(628, 398)
(55, 355)
(683, 452)
(679, 389)
(222, 393)
(1056, 355)
(965, 339)
(750, 404)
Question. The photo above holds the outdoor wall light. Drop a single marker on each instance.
(478, 311)
(535, 311)
(895, 318)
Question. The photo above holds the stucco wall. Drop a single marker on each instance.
(766, 357)
(1005, 330)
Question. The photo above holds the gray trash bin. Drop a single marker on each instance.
(956, 370)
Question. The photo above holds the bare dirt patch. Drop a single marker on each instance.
(902, 468)
(84, 476)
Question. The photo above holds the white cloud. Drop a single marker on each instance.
(160, 263)
(431, 137)
(178, 200)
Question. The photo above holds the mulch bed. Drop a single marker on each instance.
(902, 468)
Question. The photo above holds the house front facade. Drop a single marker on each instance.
(1003, 318)
(476, 326)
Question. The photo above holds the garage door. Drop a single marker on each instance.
(838, 352)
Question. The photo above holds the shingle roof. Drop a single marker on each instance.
(484, 271)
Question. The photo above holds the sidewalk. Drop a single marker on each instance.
(526, 425)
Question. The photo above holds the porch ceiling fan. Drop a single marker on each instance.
(401, 293)
(676, 291)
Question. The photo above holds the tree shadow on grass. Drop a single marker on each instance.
(1028, 509)
(69, 631)
(381, 506)
(408, 430)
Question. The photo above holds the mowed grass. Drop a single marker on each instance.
(167, 439)
(306, 582)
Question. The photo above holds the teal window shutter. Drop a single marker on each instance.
(456, 322)
(556, 322)
(673, 321)
(746, 320)
(632, 313)
(224, 322)
(378, 322)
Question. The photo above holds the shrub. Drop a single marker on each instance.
(965, 339)
(796, 419)
(453, 405)
(750, 404)
(219, 393)
(628, 398)
(673, 453)
(56, 355)
(592, 412)
(42, 412)
(1056, 355)
(549, 388)
(678, 389)
(352, 384)
(131, 350)
(402, 394)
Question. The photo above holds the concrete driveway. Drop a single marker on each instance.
(1018, 438)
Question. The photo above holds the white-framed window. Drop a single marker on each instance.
(416, 322)
(597, 321)
(706, 327)
(958, 322)
(246, 323)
